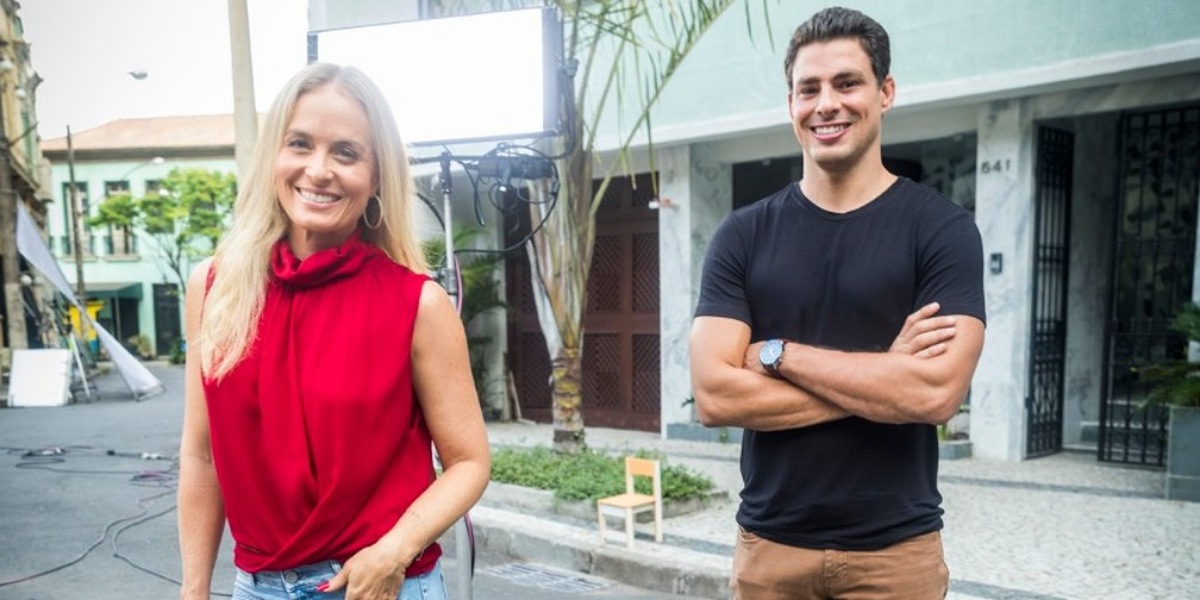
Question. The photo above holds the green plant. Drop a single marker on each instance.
(722, 431)
(141, 345)
(1176, 382)
(178, 353)
(589, 475)
(480, 293)
(184, 218)
(943, 429)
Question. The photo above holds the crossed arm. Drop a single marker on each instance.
(922, 378)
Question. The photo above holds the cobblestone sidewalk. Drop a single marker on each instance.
(1064, 527)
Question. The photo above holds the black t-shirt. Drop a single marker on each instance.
(789, 269)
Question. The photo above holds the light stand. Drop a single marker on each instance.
(32, 313)
(450, 271)
(449, 275)
(464, 543)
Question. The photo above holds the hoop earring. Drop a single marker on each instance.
(367, 220)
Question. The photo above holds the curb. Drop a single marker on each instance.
(507, 496)
(954, 449)
(651, 566)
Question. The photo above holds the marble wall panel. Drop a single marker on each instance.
(700, 190)
(1004, 214)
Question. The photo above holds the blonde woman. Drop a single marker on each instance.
(321, 366)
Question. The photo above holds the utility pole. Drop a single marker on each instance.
(245, 115)
(77, 217)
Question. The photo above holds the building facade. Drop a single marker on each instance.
(1076, 146)
(1071, 129)
(128, 280)
(22, 179)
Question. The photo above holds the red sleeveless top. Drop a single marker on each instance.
(317, 438)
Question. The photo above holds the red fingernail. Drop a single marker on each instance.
(323, 587)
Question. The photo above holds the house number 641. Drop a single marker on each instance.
(995, 166)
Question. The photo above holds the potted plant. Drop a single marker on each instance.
(953, 441)
(693, 430)
(1176, 385)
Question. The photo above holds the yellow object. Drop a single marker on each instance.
(631, 503)
(93, 308)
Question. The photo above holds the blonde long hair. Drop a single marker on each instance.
(234, 303)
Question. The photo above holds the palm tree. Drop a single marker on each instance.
(639, 42)
(619, 51)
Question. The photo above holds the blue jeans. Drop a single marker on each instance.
(301, 584)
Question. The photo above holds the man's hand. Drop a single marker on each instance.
(923, 334)
(371, 574)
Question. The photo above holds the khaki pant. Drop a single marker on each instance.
(913, 569)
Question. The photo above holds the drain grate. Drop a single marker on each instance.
(539, 576)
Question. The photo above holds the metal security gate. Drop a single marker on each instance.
(1048, 335)
(1152, 278)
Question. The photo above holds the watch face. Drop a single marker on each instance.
(771, 352)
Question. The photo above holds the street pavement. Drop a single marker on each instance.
(98, 519)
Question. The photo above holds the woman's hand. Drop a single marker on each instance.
(373, 573)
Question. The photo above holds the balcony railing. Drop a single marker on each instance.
(120, 243)
(67, 246)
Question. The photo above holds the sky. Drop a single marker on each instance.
(84, 50)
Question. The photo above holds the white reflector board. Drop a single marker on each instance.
(40, 377)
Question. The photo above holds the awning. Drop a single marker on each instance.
(99, 291)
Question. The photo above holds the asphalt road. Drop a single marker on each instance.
(130, 531)
(500, 577)
(83, 515)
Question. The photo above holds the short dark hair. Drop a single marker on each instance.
(834, 23)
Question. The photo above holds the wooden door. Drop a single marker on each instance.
(621, 367)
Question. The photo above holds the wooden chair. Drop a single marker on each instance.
(631, 503)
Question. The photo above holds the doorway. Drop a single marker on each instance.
(1155, 224)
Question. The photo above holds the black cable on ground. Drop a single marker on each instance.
(87, 551)
(41, 458)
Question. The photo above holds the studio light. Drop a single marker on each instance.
(514, 167)
(486, 76)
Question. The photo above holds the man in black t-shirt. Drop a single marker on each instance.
(840, 319)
